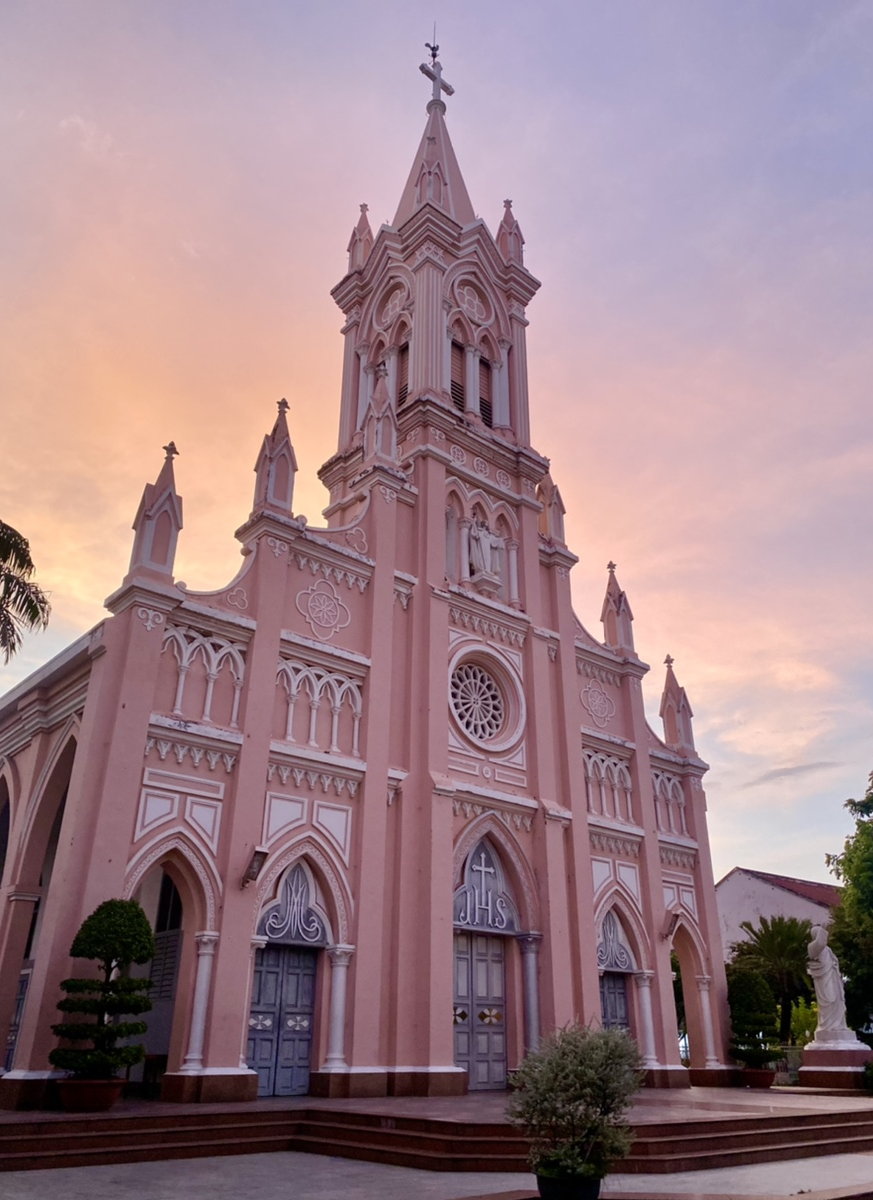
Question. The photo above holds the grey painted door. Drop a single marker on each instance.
(280, 1021)
(613, 1000)
(480, 1009)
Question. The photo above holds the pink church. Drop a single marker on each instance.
(394, 812)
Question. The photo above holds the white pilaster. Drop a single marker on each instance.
(512, 560)
(471, 389)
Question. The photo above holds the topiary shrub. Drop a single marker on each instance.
(570, 1098)
(115, 935)
(754, 1033)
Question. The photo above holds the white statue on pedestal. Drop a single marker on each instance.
(824, 967)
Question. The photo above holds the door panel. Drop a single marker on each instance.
(480, 1009)
(280, 1022)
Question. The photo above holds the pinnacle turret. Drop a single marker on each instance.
(676, 713)
(276, 468)
(510, 241)
(361, 242)
(616, 616)
(158, 521)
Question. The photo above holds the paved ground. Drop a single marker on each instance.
(291, 1176)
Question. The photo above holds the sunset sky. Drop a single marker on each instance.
(694, 179)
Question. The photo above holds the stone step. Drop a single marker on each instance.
(428, 1143)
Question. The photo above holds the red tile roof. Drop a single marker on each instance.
(827, 894)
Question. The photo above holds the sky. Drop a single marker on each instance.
(695, 184)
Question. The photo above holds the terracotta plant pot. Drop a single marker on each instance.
(89, 1095)
(571, 1187)
(758, 1077)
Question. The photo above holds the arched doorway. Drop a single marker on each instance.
(162, 904)
(282, 1015)
(486, 923)
(615, 962)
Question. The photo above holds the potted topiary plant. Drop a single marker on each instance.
(570, 1098)
(115, 935)
(754, 1033)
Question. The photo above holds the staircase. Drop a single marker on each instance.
(428, 1143)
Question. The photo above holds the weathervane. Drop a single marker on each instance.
(434, 71)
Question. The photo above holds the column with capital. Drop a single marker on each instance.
(340, 957)
(530, 949)
(206, 943)
(512, 560)
(703, 982)
(471, 382)
(643, 981)
(465, 524)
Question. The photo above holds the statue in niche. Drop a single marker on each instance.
(824, 967)
(485, 547)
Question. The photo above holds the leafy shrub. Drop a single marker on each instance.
(571, 1096)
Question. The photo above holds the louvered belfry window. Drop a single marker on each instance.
(486, 409)
(403, 374)
(459, 396)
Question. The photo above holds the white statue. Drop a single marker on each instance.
(824, 967)
(484, 548)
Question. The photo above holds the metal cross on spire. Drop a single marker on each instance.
(434, 71)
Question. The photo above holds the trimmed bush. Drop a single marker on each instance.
(115, 935)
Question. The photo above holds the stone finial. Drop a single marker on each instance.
(157, 522)
(276, 467)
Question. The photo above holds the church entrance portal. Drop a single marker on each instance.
(280, 1021)
(480, 1009)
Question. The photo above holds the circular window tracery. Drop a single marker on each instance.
(477, 701)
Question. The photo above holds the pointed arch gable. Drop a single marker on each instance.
(616, 900)
(686, 929)
(512, 859)
(327, 871)
(199, 872)
(66, 742)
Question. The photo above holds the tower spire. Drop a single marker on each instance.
(435, 177)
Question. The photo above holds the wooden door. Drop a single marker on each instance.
(480, 1009)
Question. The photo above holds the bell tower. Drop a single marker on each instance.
(435, 306)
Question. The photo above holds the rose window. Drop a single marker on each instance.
(477, 701)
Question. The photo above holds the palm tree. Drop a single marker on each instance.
(23, 604)
(778, 949)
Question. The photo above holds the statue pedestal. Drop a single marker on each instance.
(834, 1059)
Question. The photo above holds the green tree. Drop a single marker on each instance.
(778, 949)
(116, 934)
(753, 1017)
(851, 933)
(23, 604)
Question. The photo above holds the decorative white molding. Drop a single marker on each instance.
(583, 667)
(611, 843)
(675, 856)
(277, 546)
(312, 852)
(503, 479)
(341, 574)
(485, 626)
(480, 466)
(238, 598)
(282, 814)
(512, 820)
(326, 780)
(213, 758)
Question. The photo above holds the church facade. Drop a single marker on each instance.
(393, 811)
